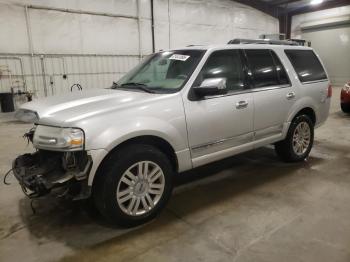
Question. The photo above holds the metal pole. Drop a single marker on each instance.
(43, 74)
(31, 49)
(139, 27)
(169, 23)
(152, 27)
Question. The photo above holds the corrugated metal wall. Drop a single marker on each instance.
(46, 46)
(53, 74)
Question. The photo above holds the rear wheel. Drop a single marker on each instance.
(298, 143)
(134, 186)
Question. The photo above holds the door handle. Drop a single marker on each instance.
(290, 95)
(241, 104)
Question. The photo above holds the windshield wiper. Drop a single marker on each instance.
(133, 84)
(140, 86)
(115, 85)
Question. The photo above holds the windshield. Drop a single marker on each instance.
(163, 72)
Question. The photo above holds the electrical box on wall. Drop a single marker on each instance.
(273, 36)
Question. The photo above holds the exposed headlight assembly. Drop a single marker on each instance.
(59, 139)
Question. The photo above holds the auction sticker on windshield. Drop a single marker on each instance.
(179, 57)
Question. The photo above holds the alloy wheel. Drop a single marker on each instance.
(140, 188)
(301, 138)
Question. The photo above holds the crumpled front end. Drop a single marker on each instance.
(60, 173)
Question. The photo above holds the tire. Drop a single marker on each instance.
(288, 149)
(114, 180)
(345, 107)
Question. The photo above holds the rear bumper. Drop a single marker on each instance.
(45, 172)
(322, 112)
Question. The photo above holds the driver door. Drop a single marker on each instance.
(220, 125)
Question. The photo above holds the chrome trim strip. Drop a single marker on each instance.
(267, 88)
(248, 91)
(200, 147)
(315, 81)
(217, 142)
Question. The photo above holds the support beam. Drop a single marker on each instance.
(285, 24)
(261, 6)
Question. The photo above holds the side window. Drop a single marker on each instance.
(306, 65)
(262, 67)
(281, 72)
(226, 64)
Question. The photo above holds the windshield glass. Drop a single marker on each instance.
(163, 72)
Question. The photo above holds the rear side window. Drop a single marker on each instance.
(306, 65)
(263, 68)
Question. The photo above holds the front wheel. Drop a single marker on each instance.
(298, 143)
(134, 186)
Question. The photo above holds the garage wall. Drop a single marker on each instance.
(208, 22)
(98, 41)
(329, 33)
(316, 17)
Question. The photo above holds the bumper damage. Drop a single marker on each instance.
(60, 173)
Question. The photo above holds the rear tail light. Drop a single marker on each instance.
(329, 92)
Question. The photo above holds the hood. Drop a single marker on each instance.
(66, 110)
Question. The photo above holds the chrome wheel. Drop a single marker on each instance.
(140, 188)
(301, 138)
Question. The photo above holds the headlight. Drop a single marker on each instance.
(60, 139)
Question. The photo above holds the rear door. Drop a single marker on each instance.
(272, 91)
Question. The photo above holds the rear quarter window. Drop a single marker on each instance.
(307, 65)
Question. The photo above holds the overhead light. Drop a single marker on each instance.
(316, 2)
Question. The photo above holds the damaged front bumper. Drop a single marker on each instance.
(61, 173)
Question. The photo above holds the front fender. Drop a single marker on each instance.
(173, 131)
(115, 134)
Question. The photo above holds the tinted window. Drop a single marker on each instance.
(306, 65)
(227, 64)
(262, 67)
(281, 72)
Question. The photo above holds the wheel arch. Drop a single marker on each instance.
(310, 112)
(307, 110)
(156, 141)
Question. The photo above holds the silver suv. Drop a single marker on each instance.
(175, 111)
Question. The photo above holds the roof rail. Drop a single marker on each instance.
(261, 41)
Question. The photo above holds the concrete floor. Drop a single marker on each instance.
(251, 207)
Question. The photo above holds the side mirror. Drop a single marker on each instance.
(211, 86)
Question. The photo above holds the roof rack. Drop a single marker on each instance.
(261, 41)
(193, 45)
